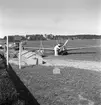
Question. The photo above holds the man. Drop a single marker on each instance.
(57, 49)
(60, 49)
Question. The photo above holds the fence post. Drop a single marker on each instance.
(20, 46)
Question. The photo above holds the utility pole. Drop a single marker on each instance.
(7, 50)
(18, 39)
(20, 47)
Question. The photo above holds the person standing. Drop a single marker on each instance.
(57, 49)
(60, 49)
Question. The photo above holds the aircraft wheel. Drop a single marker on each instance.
(63, 53)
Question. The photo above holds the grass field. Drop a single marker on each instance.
(70, 87)
(73, 86)
(71, 43)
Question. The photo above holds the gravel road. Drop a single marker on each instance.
(89, 65)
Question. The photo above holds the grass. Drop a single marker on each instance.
(71, 87)
(71, 43)
(8, 92)
(91, 54)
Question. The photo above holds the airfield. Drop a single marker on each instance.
(89, 52)
(73, 79)
(77, 76)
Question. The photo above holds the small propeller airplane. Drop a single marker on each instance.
(63, 49)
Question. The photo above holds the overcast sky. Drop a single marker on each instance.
(50, 16)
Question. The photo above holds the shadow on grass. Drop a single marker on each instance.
(24, 93)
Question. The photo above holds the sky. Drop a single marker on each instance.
(58, 17)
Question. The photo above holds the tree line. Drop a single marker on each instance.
(35, 37)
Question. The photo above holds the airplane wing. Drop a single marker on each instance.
(68, 48)
(78, 48)
(37, 48)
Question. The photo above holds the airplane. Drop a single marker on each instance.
(63, 50)
(52, 49)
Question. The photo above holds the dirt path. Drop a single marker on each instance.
(89, 65)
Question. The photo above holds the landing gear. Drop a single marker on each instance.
(63, 52)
